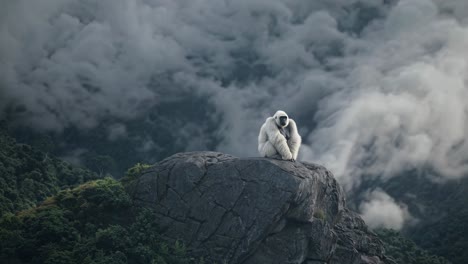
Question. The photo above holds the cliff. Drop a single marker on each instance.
(254, 210)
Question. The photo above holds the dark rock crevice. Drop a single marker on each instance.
(255, 210)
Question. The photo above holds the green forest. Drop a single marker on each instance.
(403, 250)
(53, 212)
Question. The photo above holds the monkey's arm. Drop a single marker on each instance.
(294, 142)
(278, 140)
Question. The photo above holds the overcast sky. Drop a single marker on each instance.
(376, 87)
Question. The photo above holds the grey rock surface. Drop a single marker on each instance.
(254, 210)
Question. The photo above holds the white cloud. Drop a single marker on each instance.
(404, 106)
(379, 210)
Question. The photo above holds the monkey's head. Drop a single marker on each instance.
(281, 118)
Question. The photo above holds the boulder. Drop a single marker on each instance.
(254, 210)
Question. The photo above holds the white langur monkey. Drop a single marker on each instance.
(279, 136)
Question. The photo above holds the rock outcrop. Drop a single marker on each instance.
(255, 210)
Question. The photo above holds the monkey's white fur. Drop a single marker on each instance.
(271, 142)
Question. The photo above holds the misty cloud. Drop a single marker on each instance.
(379, 210)
(404, 107)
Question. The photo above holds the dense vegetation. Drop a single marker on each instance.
(28, 175)
(405, 251)
(93, 223)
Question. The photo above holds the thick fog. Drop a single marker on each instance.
(376, 87)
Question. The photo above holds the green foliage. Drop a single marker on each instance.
(92, 223)
(405, 251)
(136, 171)
(29, 176)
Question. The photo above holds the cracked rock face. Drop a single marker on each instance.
(254, 210)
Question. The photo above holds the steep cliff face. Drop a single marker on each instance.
(254, 210)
